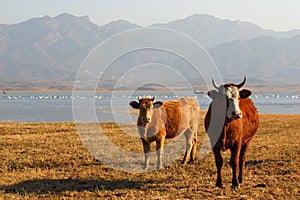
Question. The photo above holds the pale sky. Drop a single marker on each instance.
(280, 15)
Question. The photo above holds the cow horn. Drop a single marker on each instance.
(242, 83)
(214, 84)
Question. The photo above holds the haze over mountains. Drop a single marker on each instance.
(47, 52)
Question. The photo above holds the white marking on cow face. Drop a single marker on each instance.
(146, 111)
(233, 98)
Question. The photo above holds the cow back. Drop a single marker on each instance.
(176, 116)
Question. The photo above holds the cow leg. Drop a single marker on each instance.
(219, 164)
(194, 151)
(189, 135)
(234, 160)
(159, 151)
(242, 161)
(146, 146)
(195, 141)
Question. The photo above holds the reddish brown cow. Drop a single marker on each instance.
(231, 122)
(160, 120)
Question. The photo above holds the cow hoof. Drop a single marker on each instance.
(219, 185)
(240, 180)
(159, 167)
(183, 162)
(191, 162)
(235, 186)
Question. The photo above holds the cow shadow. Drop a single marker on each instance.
(56, 186)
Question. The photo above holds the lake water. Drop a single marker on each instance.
(107, 107)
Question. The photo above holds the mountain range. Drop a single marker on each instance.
(46, 52)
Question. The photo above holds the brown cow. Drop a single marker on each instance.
(160, 120)
(231, 122)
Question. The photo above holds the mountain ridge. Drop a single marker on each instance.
(47, 51)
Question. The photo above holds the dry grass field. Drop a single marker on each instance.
(49, 161)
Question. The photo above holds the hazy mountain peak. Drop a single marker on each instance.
(120, 23)
(211, 31)
(201, 16)
(36, 21)
(114, 27)
(52, 48)
(46, 17)
(65, 16)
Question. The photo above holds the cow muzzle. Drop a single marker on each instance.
(235, 115)
(146, 120)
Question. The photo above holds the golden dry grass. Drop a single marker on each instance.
(48, 160)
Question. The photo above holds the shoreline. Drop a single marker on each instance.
(255, 88)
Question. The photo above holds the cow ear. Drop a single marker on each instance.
(214, 94)
(157, 104)
(134, 104)
(245, 93)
